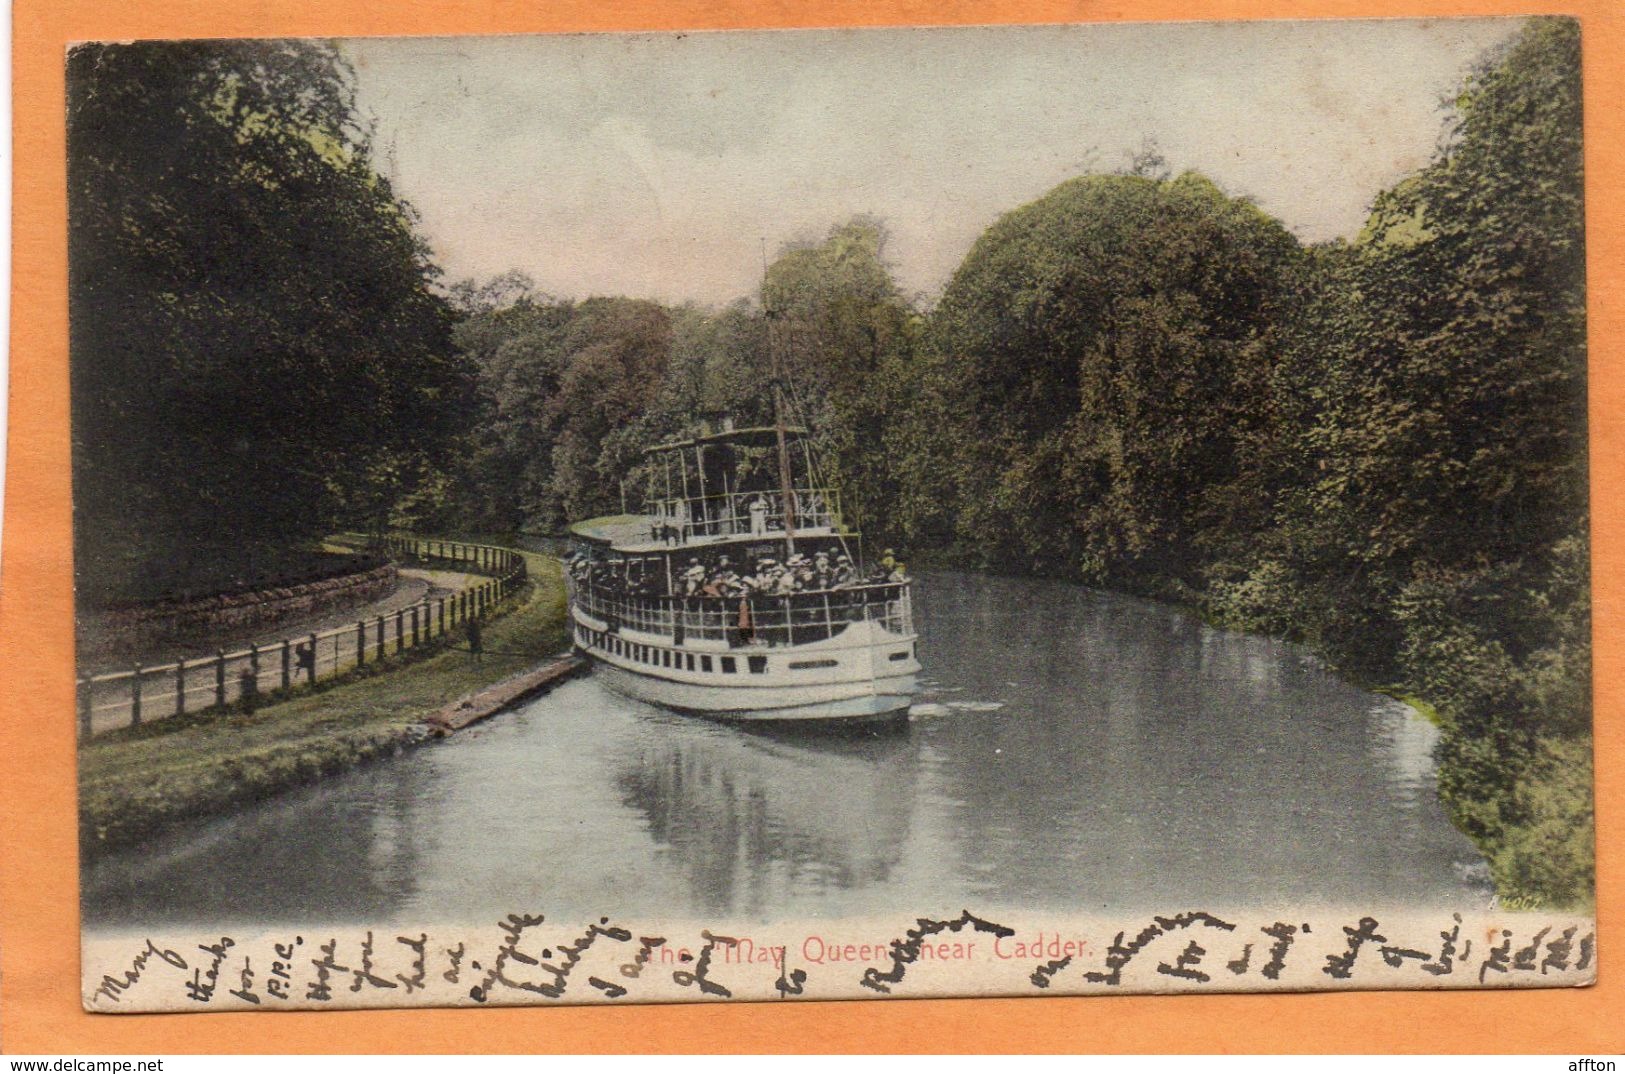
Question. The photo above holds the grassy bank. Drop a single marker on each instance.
(132, 784)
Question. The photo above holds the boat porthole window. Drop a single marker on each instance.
(729, 665)
(901, 654)
(803, 665)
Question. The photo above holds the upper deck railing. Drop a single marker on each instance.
(680, 519)
(757, 618)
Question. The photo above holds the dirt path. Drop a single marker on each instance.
(414, 586)
(112, 703)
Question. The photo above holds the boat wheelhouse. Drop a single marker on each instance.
(739, 592)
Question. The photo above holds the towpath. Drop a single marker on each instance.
(112, 705)
(414, 586)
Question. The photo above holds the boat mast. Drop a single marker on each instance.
(786, 488)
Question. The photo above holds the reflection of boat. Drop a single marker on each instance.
(750, 816)
(735, 594)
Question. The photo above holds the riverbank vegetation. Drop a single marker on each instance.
(1139, 380)
(133, 783)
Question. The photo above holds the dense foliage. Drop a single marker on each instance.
(256, 350)
(574, 391)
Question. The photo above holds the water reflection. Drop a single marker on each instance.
(745, 814)
(348, 852)
(1073, 750)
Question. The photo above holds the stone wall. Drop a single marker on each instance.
(196, 626)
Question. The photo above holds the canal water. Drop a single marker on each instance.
(1072, 751)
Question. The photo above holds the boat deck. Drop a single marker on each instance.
(637, 534)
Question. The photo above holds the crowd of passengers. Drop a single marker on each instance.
(797, 574)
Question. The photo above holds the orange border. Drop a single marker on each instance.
(39, 1006)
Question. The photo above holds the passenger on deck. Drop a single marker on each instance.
(822, 574)
(693, 578)
(758, 516)
(722, 579)
(762, 580)
(844, 574)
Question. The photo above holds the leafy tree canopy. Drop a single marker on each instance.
(256, 348)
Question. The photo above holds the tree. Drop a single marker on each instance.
(255, 345)
(1106, 343)
(846, 338)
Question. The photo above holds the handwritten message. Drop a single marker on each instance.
(530, 958)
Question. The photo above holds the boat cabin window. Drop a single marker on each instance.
(705, 663)
(758, 665)
(728, 665)
(802, 665)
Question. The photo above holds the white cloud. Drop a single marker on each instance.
(655, 165)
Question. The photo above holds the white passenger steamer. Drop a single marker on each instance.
(837, 648)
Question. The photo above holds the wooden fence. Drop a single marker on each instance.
(198, 684)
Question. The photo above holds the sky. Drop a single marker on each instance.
(660, 165)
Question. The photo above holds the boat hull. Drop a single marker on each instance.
(877, 700)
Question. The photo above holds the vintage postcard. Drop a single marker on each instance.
(781, 515)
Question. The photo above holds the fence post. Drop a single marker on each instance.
(287, 664)
(254, 661)
(180, 688)
(380, 637)
(312, 679)
(360, 642)
(414, 626)
(220, 678)
(86, 687)
(441, 614)
(400, 631)
(135, 698)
